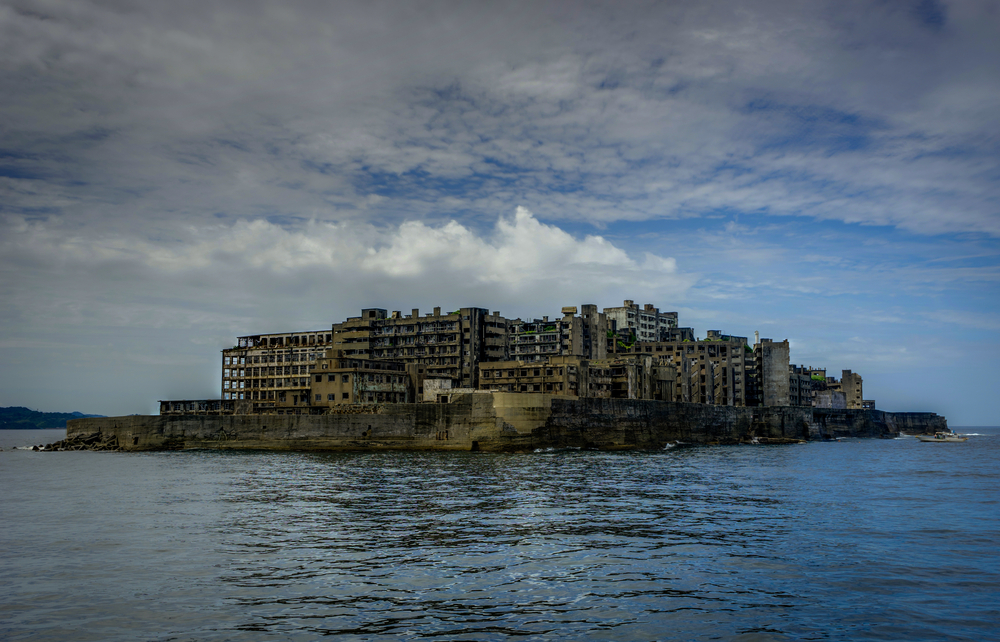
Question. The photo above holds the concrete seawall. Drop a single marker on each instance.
(500, 422)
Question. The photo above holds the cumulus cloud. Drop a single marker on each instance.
(518, 253)
(315, 273)
(109, 301)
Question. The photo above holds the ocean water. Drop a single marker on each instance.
(853, 540)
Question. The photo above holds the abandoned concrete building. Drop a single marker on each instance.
(197, 407)
(800, 387)
(713, 370)
(449, 345)
(556, 375)
(584, 336)
(646, 324)
(850, 386)
(625, 377)
(771, 368)
(624, 352)
(264, 368)
(339, 379)
(640, 377)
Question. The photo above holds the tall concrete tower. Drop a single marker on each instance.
(772, 365)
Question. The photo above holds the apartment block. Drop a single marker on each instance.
(556, 375)
(631, 377)
(269, 369)
(808, 386)
(624, 352)
(711, 371)
(448, 345)
(339, 379)
(800, 386)
(639, 377)
(584, 336)
(850, 385)
(646, 324)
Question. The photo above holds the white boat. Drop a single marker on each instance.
(941, 437)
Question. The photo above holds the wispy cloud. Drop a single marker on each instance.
(972, 319)
(780, 110)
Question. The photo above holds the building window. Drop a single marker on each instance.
(319, 397)
(319, 378)
(347, 395)
(329, 397)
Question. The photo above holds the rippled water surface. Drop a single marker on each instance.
(856, 540)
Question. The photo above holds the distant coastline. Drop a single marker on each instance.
(21, 418)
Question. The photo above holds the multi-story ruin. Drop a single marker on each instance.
(771, 368)
(626, 352)
(646, 324)
(619, 377)
(267, 370)
(449, 345)
(713, 370)
(584, 336)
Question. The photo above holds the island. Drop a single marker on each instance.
(626, 377)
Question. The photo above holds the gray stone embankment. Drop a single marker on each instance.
(498, 422)
(93, 441)
(917, 423)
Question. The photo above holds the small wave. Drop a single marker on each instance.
(553, 449)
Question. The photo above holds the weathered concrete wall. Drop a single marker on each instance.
(914, 423)
(499, 422)
(628, 424)
(828, 423)
(774, 372)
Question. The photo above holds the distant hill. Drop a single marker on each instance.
(16, 418)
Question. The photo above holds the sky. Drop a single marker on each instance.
(174, 175)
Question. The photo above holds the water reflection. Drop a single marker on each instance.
(846, 541)
(478, 545)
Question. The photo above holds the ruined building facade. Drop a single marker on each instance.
(646, 324)
(584, 336)
(449, 345)
(771, 362)
(268, 370)
(625, 352)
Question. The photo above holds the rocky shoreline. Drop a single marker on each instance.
(93, 441)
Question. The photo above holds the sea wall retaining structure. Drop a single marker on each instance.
(500, 422)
